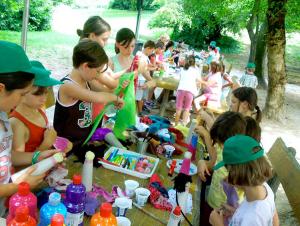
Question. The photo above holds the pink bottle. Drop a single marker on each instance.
(23, 198)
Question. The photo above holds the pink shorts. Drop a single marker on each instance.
(184, 100)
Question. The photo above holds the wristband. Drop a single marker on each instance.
(35, 157)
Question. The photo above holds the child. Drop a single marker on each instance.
(212, 87)
(16, 77)
(248, 169)
(72, 116)
(249, 79)
(226, 84)
(29, 122)
(169, 50)
(143, 74)
(187, 89)
(211, 55)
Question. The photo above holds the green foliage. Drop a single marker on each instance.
(132, 4)
(229, 45)
(11, 14)
(65, 2)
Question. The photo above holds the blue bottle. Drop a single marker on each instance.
(75, 202)
(53, 206)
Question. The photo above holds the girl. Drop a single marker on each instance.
(226, 84)
(72, 116)
(16, 77)
(169, 50)
(249, 170)
(124, 46)
(187, 89)
(29, 121)
(212, 87)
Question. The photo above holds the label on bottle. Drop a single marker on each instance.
(74, 219)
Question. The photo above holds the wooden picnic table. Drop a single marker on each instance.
(148, 215)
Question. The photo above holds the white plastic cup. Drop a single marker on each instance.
(130, 186)
(169, 151)
(123, 221)
(141, 196)
(122, 204)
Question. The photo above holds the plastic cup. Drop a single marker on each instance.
(142, 146)
(141, 196)
(130, 186)
(122, 205)
(61, 143)
(169, 151)
(123, 221)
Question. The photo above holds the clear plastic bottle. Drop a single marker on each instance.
(105, 217)
(22, 218)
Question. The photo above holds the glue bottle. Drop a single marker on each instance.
(57, 220)
(175, 217)
(22, 218)
(105, 217)
(87, 171)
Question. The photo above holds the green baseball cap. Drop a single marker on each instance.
(43, 79)
(14, 59)
(240, 149)
(251, 65)
(213, 44)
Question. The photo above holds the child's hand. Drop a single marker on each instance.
(119, 103)
(216, 218)
(69, 147)
(203, 169)
(33, 181)
(49, 137)
(48, 153)
(228, 210)
(125, 84)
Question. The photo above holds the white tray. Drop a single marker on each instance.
(128, 171)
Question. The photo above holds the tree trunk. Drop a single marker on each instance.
(274, 108)
(260, 55)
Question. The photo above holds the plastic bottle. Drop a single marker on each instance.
(57, 220)
(41, 167)
(22, 198)
(175, 217)
(105, 217)
(75, 202)
(22, 218)
(193, 146)
(87, 171)
(191, 131)
(53, 206)
(172, 168)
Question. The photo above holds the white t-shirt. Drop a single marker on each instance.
(249, 81)
(142, 57)
(188, 80)
(256, 213)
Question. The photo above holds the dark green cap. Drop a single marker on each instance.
(251, 65)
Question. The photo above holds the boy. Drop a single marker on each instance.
(249, 79)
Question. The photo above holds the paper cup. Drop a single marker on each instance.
(169, 151)
(61, 143)
(122, 205)
(130, 186)
(123, 221)
(141, 196)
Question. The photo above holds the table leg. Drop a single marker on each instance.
(164, 102)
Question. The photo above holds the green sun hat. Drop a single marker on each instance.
(43, 80)
(14, 59)
(213, 44)
(251, 65)
(240, 149)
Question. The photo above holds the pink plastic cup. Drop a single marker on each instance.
(61, 143)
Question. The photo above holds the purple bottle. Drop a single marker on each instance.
(75, 199)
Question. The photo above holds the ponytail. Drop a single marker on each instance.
(117, 50)
(258, 114)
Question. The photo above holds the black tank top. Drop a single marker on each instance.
(74, 121)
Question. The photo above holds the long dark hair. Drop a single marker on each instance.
(169, 44)
(248, 94)
(124, 37)
(94, 24)
(16, 80)
(190, 61)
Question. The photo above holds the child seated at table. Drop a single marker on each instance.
(29, 121)
(249, 79)
(187, 89)
(73, 109)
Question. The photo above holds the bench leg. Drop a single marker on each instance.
(164, 102)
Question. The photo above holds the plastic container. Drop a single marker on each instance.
(61, 143)
(41, 167)
(141, 196)
(142, 146)
(128, 171)
(175, 217)
(57, 220)
(23, 198)
(22, 218)
(75, 202)
(123, 221)
(105, 217)
(191, 131)
(130, 186)
(51, 208)
(87, 171)
(193, 146)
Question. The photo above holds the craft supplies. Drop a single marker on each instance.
(105, 217)
(172, 168)
(87, 171)
(169, 149)
(141, 196)
(122, 204)
(22, 218)
(57, 220)
(175, 217)
(193, 167)
(130, 186)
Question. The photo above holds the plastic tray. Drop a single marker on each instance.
(128, 171)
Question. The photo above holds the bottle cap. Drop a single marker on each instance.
(174, 162)
(54, 198)
(177, 211)
(89, 155)
(58, 157)
(23, 188)
(105, 209)
(22, 213)
(57, 220)
(77, 179)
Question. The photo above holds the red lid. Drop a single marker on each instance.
(77, 179)
(105, 209)
(23, 188)
(173, 162)
(177, 211)
(57, 220)
(22, 213)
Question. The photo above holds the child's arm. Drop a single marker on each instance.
(229, 82)
(20, 134)
(143, 69)
(50, 136)
(98, 86)
(216, 218)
